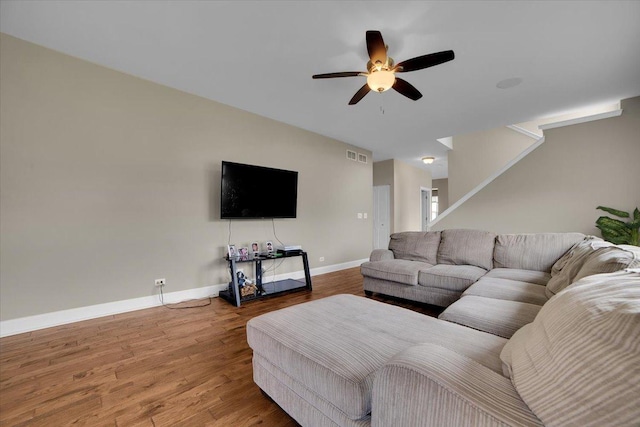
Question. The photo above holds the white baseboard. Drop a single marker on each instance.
(63, 317)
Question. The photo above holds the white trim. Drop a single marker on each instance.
(446, 141)
(63, 317)
(585, 119)
(487, 181)
(525, 132)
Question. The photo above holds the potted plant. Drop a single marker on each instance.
(619, 232)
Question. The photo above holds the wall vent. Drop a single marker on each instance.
(362, 158)
(352, 155)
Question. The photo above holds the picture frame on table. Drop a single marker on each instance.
(232, 251)
(269, 246)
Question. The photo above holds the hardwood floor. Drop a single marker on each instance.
(153, 367)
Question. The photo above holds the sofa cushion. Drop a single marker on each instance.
(567, 267)
(394, 270)
(381, 255)
(609, 260)
(577, 363)
(466, 247)
(335, 346)
(589, 258)
(537, 277)
(589, 241)
(536, 252)
(415, 245)
(507, 289)
(451, 277)
(498, 317)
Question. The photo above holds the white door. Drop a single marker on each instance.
(381, 216)
(425, 207)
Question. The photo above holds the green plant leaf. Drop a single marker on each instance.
(619, 232)
(633, 224)
(610, 223)
(610, 232)
(616, 212)
(613, 230)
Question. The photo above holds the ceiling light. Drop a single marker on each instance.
(381, 81)
(428, 160)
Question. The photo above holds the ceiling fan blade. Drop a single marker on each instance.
(333, 75)
(424, 61)
(406, 89)
(376, 48)
(360, 94)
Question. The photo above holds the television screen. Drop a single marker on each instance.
(257, 192)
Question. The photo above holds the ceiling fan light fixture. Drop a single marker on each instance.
(381, 81)
(428, 160)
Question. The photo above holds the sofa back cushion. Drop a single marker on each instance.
(591, 256)
(467, 247)
(610, 259)
(415, 245)
(577, 362)
(536, 252)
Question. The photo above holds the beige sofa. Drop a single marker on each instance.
(351, 361)
(437, 267)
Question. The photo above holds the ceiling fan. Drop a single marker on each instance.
(381, 74)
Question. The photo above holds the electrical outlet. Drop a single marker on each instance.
(321, 259)
(161, 282)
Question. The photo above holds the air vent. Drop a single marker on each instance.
(362, 158)
(352, 155)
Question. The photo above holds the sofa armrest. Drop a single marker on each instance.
(380, 255)
(429, 385)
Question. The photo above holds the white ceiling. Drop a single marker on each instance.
(259, 56)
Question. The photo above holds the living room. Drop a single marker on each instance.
(111, 180)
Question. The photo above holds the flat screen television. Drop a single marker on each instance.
(250, 191)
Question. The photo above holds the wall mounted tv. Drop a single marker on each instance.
(250, 191)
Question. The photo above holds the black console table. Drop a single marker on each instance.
(264, 290)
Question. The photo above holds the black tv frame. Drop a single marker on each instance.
(260, 192)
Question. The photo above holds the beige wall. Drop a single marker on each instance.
(406, 182)
(109, 181)
(443, 193)
(476, 156)
(558, 186)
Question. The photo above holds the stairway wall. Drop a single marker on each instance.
(557, 187)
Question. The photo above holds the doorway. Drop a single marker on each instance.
(425, 207)
(381, 216)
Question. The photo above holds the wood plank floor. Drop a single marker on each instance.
(153, 367)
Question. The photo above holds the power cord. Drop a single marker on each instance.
(180, 308)
(273, 225)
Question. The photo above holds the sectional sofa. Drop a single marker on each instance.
(543, 331)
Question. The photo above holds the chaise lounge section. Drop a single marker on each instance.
(351, 361)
